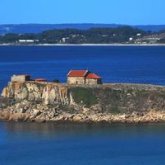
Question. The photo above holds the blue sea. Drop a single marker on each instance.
(114, 64)
(83, 144)
(73, 144)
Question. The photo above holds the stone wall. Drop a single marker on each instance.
(76, 80)
(92, 81)
(20, 78)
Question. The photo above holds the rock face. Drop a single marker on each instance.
(37, 92)
(34, 101)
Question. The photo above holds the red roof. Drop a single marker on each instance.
(77, 73)
(40, 80)
(22, 75)
(93, 76)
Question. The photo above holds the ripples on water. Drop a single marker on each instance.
(50, 143)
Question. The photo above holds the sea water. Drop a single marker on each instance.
(83, 144)
(122, 64)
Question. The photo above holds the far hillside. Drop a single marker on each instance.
(119, 35)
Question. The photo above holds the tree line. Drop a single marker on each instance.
(121, 34)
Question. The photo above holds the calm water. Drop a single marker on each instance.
(114, 64)
(68, 144)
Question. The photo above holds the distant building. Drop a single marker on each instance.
(20, 78)
(130, 39)
(27, 41)
(81, 77)
(40, 80)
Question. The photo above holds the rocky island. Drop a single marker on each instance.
(42, 101)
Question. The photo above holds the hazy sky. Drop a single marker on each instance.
(82, 11)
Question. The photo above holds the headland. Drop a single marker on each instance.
(42, 101)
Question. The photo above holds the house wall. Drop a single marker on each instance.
(20, 78)
(76, 80)
(91, 81)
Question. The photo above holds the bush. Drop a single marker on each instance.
(84, 96)
(56, 81)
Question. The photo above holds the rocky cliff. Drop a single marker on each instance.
(32, 101)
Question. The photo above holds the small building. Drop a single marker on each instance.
(40, 80)
(81, 77)
(77, 76)
(93, 78)
(27, 41)
(20, 78)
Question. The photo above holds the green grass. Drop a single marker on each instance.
(84, 96)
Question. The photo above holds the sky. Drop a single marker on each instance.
(131, 12)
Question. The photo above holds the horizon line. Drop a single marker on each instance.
(119, 24)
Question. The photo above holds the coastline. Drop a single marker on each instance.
(133, 118)
(86, 45)
(109, 103)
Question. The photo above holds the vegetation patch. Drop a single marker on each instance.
(115, 109)
(162, 94)
(84, 96)
(142, 93)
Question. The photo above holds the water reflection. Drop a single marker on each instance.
(68, 143)
(49, 130)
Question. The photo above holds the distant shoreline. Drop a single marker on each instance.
(115, 45)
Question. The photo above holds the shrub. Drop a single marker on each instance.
(84, 96)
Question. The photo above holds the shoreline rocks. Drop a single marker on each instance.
(111, 103)
(22, 112)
